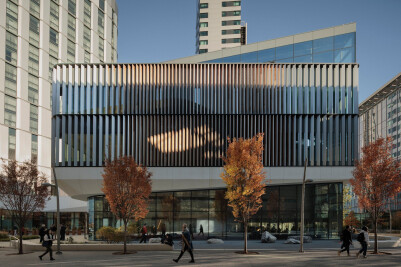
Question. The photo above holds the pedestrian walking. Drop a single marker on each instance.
(47, 243)
(347, 240)
(144, 232)
(53, 230)
(42, 230)
(191, 232)
(186, 244)
(201, 230)
(363, 238)
(62, 232)
(163, 229)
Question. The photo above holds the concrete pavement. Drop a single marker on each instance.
(318, 253)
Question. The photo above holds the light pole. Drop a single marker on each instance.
(58, 210)
(301, 249)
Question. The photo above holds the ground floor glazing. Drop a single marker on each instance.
(280, 213)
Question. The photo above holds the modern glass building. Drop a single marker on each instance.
(331, 45)
(380, 116)
(175, 119)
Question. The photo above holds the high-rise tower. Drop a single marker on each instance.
(218, 25)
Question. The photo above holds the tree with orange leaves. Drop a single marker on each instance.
(351, 220)
(243, 174)
(127, 187)
(377, 177)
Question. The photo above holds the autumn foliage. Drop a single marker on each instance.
(127, 187)
(377, 178)
(351, 220)
(243, 174)
(21, 192)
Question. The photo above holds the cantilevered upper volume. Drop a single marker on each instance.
(331, 45)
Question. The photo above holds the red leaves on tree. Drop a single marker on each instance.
(127, 187)
(377, 178)
(21, 191)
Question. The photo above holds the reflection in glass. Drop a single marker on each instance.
(286, 51)
(249, 57)
(266, 55)
(344, 40)
(326, 57)
(232, 59)
(306, 59)
(304, 48)
(323, 44)
(286, 60)
(344, 55)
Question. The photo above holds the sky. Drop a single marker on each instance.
(153, 31)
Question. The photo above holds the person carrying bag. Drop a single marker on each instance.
(47, 243)
(186, 244)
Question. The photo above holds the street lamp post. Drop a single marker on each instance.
(58, 210)
(301, 249)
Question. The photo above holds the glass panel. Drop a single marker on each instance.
(344, 40)
(33, 64)
(250, 57)
(70, 51)
(203, 33)
(285, 60)
(203, 42)
(204, 5)
(34, 147)
(284, 51)
(34, 31)
(87, 38)
(344, 55)
(11, 143)
(267, 55)
(71, 27)
(232, 59)
(101, 4)
(10, 83)
(203, 15)
(182, 201)
(307, 58)
(34, 119)
(53, 45)
(10, 110)
(304, 48)
(87, 12)
(101, 49)
(54, 11)
(71, 6)
(52, 61)
(34, 8)
(326, 57)
(11, 48)
(33, 89)
(100, 22)
(323, 44)
(12, 17)
(203, 25)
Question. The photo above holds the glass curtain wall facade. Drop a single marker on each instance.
(181, 114)
(333, 49)
(280, 213)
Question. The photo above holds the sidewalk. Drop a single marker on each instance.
(319, 253)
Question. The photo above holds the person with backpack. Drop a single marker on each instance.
(186, 244)
(347, 240)
(47, 243)
(363, 239)
(144, 232)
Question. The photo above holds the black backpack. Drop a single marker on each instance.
(360, 237)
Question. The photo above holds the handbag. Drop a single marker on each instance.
(45, 244)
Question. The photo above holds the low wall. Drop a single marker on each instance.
(28, 246)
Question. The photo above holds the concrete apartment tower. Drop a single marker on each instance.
(34, 36)
(218, 25)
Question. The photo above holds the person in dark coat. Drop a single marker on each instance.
(47, 243)
(201, 230)
(42, 230)
(347, 240)
(53, 230)
(186, 244)
(62, 232)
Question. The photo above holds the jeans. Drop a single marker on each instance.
(345, 247)
(48, 250)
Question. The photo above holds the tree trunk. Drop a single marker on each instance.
(125, 237)
(375, 226)
(20, 241)
(245, 237)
